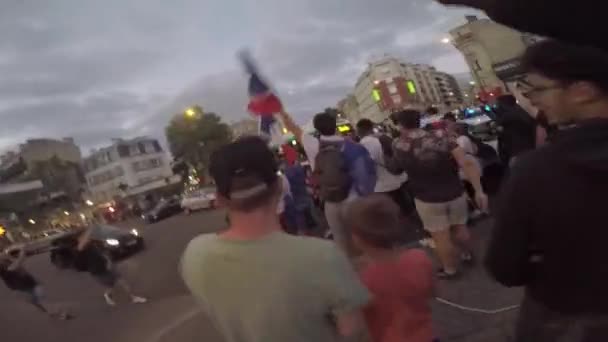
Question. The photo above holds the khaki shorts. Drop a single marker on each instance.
(441, 216)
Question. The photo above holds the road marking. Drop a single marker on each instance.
(175, 324)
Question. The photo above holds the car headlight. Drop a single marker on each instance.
(112, 242)
(134, 232)
(143, 217)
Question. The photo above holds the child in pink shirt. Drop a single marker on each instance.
(401, 282)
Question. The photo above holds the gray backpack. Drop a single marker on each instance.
(331, 171)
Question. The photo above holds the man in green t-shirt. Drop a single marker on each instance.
(257, 283)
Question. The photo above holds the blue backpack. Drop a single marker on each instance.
(341, 166)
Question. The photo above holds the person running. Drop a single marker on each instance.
(401, 281)
(343, 168)
(432, 161)
(99, 264)
(253, 279)
(390, 180)
(17, 278)
(550, 225)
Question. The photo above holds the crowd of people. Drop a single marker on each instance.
(258, 283)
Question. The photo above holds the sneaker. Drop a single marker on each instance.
(442, 274)
(109, 300)
(138, 300)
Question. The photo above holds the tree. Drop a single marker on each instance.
(193, 138)
(58, 176)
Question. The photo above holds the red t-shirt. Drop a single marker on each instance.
(402, 288)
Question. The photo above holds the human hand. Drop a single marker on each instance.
(481, 199)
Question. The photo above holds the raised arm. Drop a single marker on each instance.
(291, 125)
(19, 261)
(84, 239)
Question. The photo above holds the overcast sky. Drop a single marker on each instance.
(95, 70)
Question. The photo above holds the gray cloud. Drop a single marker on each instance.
(124, 67)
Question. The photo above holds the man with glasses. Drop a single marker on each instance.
(550, 228)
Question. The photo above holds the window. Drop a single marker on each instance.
(123, 151)
(392, 88)
(147, 164)
(156, 146)
(141, 147)
(119, 171)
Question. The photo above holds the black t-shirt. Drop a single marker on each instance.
(92, 260)
(18, 279)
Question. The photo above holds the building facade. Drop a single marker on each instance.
(125, 164)
(492, 52)
(56, 163)
(349, 106)
(450, 91)
(244, 127)
(390, 85)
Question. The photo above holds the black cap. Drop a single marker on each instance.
(243, 168)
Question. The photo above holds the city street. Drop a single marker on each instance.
(172, 315)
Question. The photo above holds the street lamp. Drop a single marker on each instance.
(446, 40)
(472, 83)
(190, 112)
(89, 203)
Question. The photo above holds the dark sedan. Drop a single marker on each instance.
(115, 242)
(163, 210)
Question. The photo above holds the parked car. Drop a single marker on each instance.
(198, 200)
(164, 209)
(114, 241)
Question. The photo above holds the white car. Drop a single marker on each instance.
(198, 200)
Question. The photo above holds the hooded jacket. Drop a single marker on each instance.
(551, 227)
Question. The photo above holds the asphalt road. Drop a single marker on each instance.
(172, 315)
(153, 273)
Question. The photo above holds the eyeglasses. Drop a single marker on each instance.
(530, 90)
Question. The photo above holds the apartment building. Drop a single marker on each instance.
(123, 165)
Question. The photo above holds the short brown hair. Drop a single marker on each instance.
(376, 219)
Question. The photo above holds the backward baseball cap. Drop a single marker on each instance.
(244, 168)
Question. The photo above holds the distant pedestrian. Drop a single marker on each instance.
(92, 259)
(550, 228)
(401, 281)
(17, 278)
(254, 280)
(432, 161)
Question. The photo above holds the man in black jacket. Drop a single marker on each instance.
(550, 231)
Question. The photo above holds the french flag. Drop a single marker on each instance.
(262, 100)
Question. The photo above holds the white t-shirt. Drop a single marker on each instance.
(286, 191)
(386, 181)
(471, 150)
(465, 143)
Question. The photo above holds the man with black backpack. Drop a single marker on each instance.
(343, 169)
